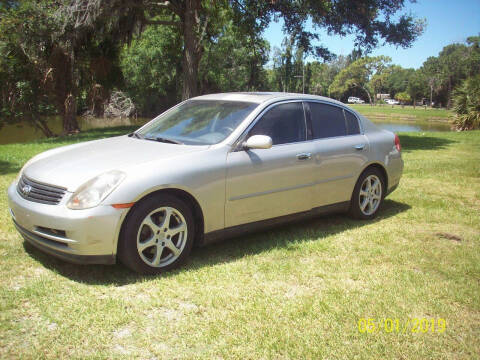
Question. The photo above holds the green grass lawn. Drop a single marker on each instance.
(296, 292)
(405, 113)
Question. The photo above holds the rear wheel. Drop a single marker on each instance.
(157, 236)
(368, 194)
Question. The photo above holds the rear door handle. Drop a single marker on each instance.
(359, 146)
(304, 156)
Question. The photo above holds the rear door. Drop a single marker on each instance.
(340, 151)
(267, 183)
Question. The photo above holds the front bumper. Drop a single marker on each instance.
(80, 236)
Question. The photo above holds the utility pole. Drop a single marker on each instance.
(303, 80)
(303, 77)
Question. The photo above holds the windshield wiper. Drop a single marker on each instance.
(134, 134)
(164, 140)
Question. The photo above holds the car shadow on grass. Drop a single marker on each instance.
(412, 143)
(282, 236)
(8, 168)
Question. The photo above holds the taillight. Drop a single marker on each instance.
(397, 143)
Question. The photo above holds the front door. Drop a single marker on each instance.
(267, 183)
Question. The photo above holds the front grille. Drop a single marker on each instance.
(41, 193)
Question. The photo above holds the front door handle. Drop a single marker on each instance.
(304, 156)
(359, 146)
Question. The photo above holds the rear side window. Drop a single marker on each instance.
(327, 121)
(284, 123)
(352, 123)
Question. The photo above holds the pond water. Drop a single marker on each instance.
(19, 133)
(24, 132)
(410, 125)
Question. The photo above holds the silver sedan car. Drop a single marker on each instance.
(208, 168)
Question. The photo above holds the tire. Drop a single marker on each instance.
(367, 200)
(149, 243)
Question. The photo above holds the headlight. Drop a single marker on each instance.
(94, 191)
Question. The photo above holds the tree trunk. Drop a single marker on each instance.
(43, 127)
(431, 95)
(64, 85)
(97, 97)
(70, 124)
(368, 94)
(449, 93)
(191, 50)
(414, 102)
(40, 123)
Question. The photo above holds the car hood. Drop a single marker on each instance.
(73, 165)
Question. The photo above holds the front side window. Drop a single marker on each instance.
(327, 120)
(284, 123)
(198, 122)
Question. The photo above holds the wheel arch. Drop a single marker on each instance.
(378, 166)
(354, 209)
(180, 194)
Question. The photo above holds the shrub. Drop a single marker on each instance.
(467, 104)
(403, 97)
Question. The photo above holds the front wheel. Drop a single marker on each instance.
(157, 236)
(368, 194)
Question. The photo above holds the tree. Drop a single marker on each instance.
(152, 69)
(378, 80)
(453, 67)
(473, 61)
(396, 80)
(455, 63)
(416, 86)
(359, 74)
(284, 66)
(467, 104)
(24, 83)
(290, 73)
(370, 20)
(193, 19)
(22, 93)
(356, 54)
(278, 76)
(58, 37)
(152, 64)
(322, 75)
(431, 72)
(232, 62)
(66, 57)
(403, 97)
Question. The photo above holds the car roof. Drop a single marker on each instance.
(261, 97)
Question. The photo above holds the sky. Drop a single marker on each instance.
(447, 22)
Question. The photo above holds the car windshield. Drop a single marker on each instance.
(197, 122)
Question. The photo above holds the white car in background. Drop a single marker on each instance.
(392, 101)
(355, 100)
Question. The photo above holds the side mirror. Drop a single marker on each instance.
(258, 142)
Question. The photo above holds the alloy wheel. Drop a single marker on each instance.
(161, 237)
(370, 195)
